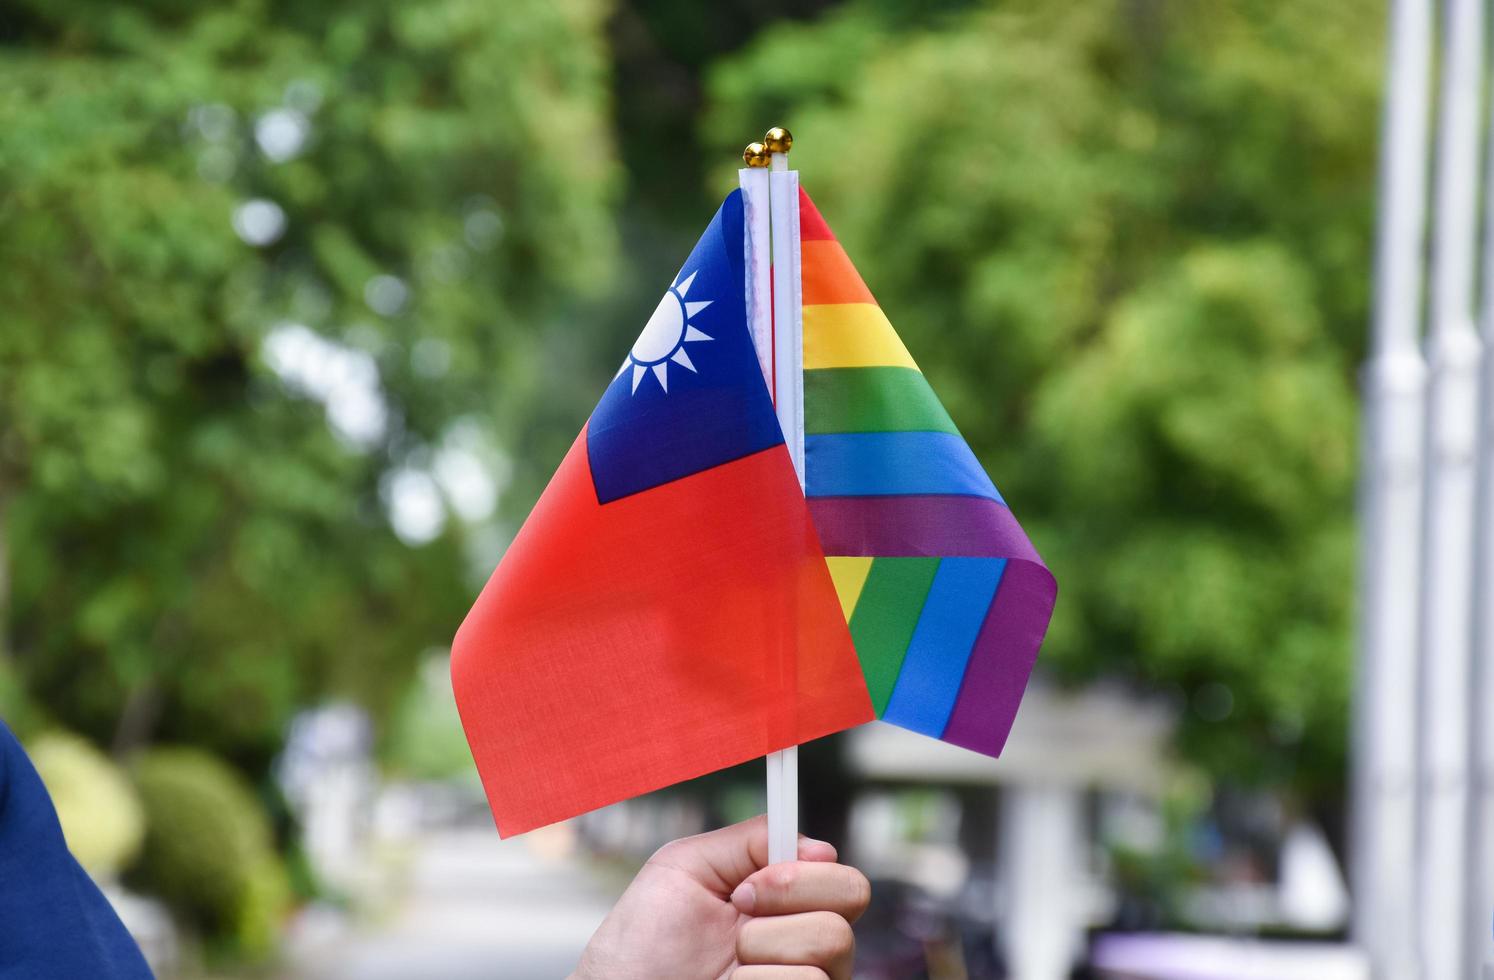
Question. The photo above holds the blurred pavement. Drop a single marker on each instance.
(475, 907)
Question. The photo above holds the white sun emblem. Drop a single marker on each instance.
(665, 335)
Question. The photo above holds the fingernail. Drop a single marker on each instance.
(810, 841)
(744, 898)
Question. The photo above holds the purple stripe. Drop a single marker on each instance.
(921, 525)
(1002, 659)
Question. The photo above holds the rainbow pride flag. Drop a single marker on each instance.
(946, 599)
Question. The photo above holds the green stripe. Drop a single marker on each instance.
(885, 617)
(871, 399)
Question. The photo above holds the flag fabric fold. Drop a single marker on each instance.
(946, 599)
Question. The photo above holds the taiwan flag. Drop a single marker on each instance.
(666, 610)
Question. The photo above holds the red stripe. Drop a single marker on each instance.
(812, 227)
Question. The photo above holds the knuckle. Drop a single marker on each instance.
(858, 890)
(833, 937)
(780, 878)
(666, 854)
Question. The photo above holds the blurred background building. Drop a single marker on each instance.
(302, 304)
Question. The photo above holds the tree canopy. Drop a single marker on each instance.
(1128, 245)
(1126, 241)
(195, 197)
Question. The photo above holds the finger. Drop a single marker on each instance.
(800, 886)
(816, 850)
(721, 859)
(779, 973)
(821, 939)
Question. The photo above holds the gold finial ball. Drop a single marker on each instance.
(778, 140)
(756, 155)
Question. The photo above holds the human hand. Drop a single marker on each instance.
(710, 907)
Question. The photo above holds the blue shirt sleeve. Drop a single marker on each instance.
(54, 921)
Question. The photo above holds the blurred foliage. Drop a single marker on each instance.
(424, 738)
(101, 815)
(1152, 877)
(664, 52)
(19, 712)
(208, 851)
(1127, 242)
(195, 551)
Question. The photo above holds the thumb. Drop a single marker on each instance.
(722, 859)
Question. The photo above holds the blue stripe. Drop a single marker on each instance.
(934, 667)
(872, 464)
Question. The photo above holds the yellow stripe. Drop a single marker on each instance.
(849, 575)
(842, 335)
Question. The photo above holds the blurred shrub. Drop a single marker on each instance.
(267, 895)
(17, 709)
(1151, 877)
(208, 851)
(101, 815)
(425, 740)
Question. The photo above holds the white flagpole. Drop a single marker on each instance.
(758, 257)
(788, 399)
(1384, 801)
(770, 193)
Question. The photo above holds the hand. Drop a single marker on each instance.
(710, 907)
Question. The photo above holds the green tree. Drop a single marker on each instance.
(1127, 242)
(415, 195)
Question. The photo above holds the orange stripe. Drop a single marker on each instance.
(828, 276)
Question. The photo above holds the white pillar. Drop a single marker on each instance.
(1478, 919)
(1041, 846)
(1479, 911)
(1385, 701)
(1452, 405)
